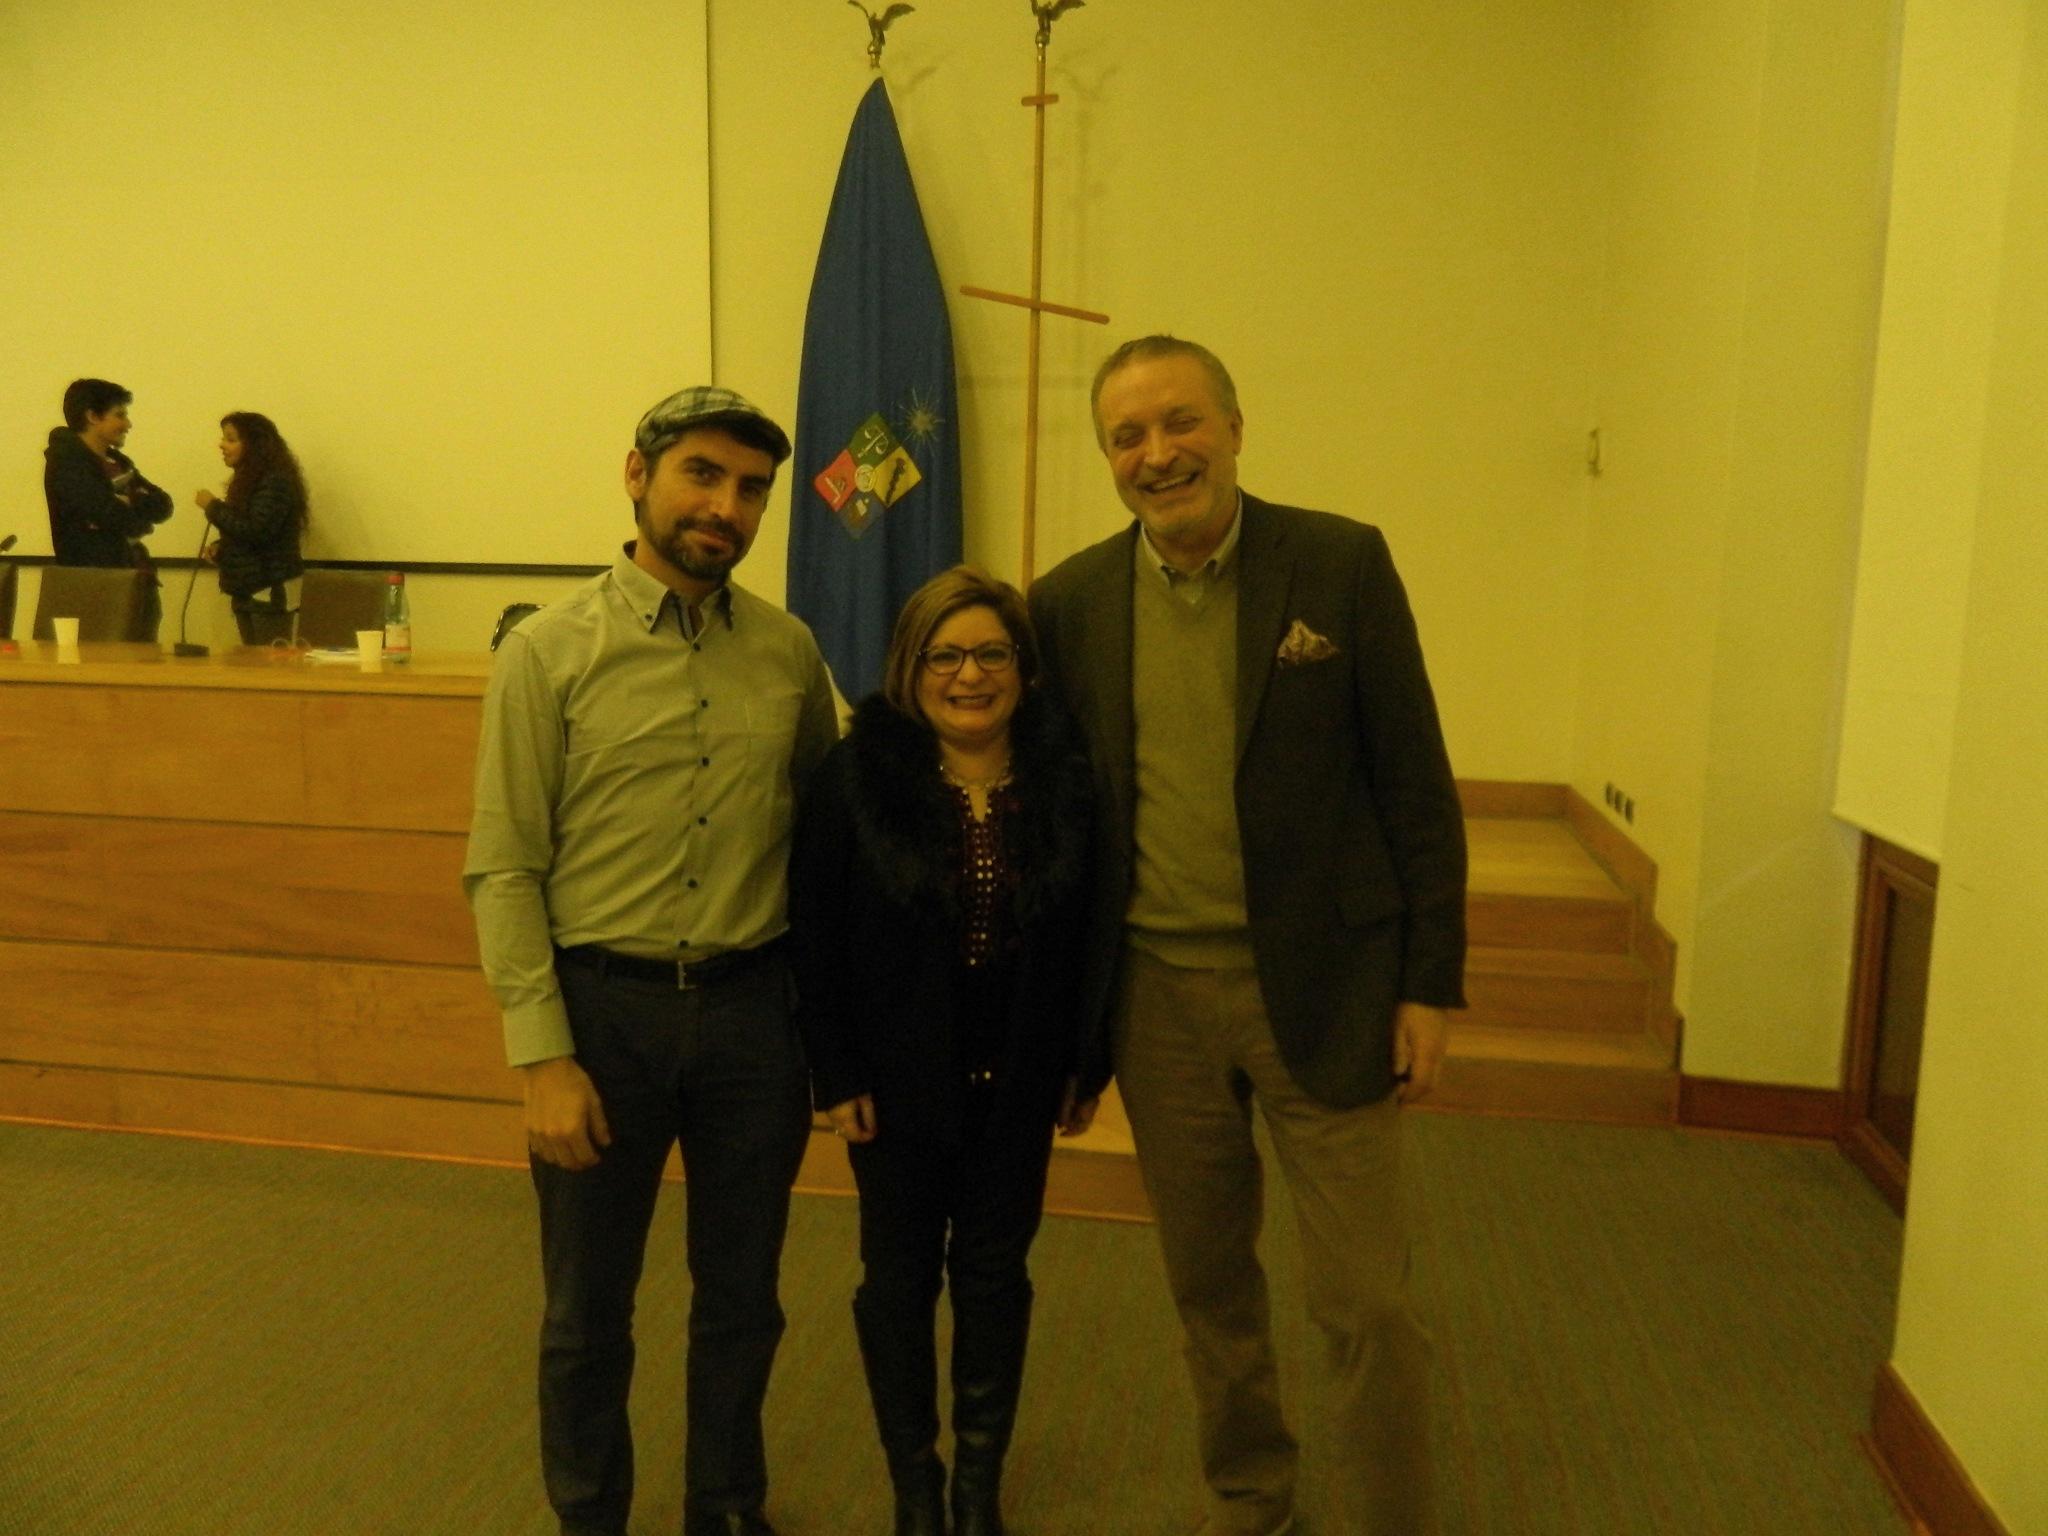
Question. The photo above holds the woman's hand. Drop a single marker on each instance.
(205, 500)
(1076, 1115)
(854, 1119)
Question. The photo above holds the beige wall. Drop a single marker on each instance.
(1972, 1340)
(1396, 266)
(1743, 278)
(429, 240)
(1956, 111)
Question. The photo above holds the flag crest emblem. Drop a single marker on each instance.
(872, 473)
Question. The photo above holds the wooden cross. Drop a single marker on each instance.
(1046, 12)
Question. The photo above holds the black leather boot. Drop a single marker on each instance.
(902, 1366)
(920, 1495)
(988, 1369)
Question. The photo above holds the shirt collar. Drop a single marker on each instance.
(1149, 558)
(647, 597)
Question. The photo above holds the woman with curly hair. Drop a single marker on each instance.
(260, 520)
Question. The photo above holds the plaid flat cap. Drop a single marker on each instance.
(704, 405)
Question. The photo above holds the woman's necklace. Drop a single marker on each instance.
(995, 780)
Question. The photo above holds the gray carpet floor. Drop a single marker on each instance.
(1637, 1332)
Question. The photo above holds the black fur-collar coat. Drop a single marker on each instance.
(876, 917)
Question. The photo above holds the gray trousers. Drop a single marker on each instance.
(1193, 1052)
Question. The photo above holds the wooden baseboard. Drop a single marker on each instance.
(1878, 1159)
(1935, 1487)
(1633, 870)
(1764, 1109)
(1508, 798)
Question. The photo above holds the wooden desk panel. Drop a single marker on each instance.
(298, 758)
(229, 900)
(224, 887)
(329, 1024)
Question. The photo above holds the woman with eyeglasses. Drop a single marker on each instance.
(936, 893)
(259, 519)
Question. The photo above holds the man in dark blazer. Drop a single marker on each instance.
(1279, 918)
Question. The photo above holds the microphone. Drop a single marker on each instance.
(185, 647)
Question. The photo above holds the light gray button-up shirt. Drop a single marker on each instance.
(636, 786)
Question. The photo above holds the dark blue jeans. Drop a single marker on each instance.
(718, 1068)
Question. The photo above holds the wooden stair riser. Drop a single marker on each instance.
(1496, 921)
(1557, 1002)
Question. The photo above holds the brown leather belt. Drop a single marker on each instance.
(680, 974)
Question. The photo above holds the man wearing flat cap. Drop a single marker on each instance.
(644, 742)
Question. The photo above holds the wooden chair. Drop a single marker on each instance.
(509, 621)
(333, 605)
(109, 603)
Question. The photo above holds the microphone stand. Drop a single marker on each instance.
(185, 647)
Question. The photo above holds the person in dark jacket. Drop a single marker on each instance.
(100, 503)
(935, 891)
(260, 520)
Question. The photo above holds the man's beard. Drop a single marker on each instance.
(679, 554)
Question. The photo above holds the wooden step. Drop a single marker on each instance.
(1548, 988)
(1559, 1074)
(1533, 885)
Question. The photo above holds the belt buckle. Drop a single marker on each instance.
(683, 982)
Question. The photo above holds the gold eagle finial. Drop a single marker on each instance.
(1050, 11)
(878, 27)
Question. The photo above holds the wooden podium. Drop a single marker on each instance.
(230, 901)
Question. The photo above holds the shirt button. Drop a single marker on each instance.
(692, 884)
(705, 761)
(703, 703)
(703, 821)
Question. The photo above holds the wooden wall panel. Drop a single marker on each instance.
(407, 1029)
(266, 890)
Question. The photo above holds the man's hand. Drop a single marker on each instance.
(1420, 1034)
(854, 1118)
(1076, 1115)
(565, 1122)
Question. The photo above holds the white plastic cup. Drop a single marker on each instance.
(370, 649)
(66, 632)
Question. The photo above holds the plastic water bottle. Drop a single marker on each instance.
(397, 621)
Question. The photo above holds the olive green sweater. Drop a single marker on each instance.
(1187, 892)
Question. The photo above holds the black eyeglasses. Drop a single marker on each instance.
(996, 656)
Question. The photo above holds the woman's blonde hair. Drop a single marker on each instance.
(964, 586)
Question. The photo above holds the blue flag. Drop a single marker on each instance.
(875, 480)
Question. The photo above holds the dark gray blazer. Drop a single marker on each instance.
(1354, 844)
